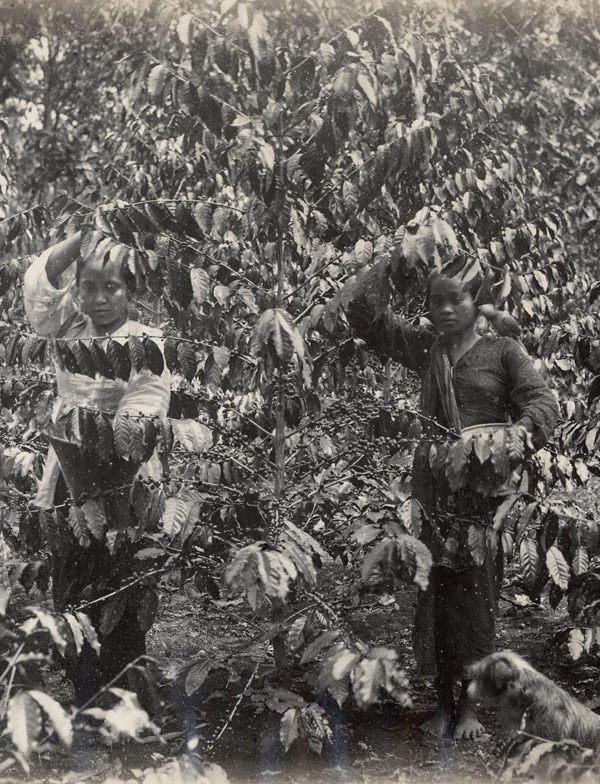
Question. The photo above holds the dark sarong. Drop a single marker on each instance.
(464, 616)
(83, 574)
(455, 619)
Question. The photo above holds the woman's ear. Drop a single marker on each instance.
(128, 277)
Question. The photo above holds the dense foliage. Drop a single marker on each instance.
(249, 165)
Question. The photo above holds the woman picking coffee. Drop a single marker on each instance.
(68, 298)
(467, 379)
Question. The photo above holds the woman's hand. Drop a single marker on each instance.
(374, 286)
(517, 441)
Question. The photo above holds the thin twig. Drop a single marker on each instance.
(7, 764)
(330, 41)
(121, 589)
(23, 212)
(7, 693)
(237, 704)
(171, 201)
(12, 662)
(230, 43)
(108, 685)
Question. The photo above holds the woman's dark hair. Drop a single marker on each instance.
(126, 275)
(455, 269)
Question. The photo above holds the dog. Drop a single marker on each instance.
(529, 702)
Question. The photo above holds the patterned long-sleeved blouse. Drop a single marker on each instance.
(52, 313)
(494, 381)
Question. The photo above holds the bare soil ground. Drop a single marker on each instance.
(383, 744)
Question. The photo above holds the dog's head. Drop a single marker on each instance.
(500, 678)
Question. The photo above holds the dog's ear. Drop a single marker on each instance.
(503, 674)
(472, 671)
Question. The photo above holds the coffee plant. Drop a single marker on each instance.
(249, 166)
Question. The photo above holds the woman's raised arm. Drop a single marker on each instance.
(61, 256)
(48, 302)
(389, 335)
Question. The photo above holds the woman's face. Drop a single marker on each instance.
(451, 308)
(103, 293)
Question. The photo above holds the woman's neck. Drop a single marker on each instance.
(109, 329)
(458, 345)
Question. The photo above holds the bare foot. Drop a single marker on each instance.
(439, 723)
(468, 726)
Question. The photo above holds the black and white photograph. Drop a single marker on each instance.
(299, 391)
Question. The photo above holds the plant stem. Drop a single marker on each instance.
(387, 384)
(236, 706)
(108, 685)
(11, 663)
(279, 441)
(8, 690)
(121, 589)
(279, 649)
